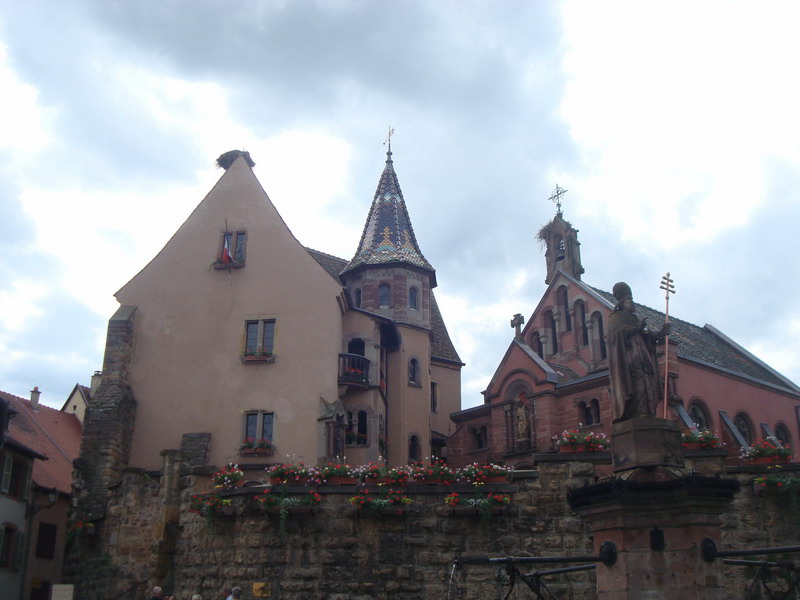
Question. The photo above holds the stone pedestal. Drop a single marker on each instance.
(657, 527)
(646, 442)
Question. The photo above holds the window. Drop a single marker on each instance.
(782, 433)
(563, 307)
(699, 414)
(414, 449)
(357, 433)
(16, 478)
(598, 337)
(46, 540)
(259, 426)
(384, 293)
(413, 372)
(434, 398)
(361, 428)
(536, 344)
(413, 299)
(12, 547)
(581, 312)
(550, 323)
(232, 249)
(357, 298)
(259, 337)
(744, 426)
(589, 412)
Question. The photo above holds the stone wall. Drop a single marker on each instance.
(335, 551)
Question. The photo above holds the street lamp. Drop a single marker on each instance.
(52, 497)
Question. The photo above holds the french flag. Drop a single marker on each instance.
(226, 249)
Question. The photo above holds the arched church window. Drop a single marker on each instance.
(536, 344)
(563, 306)
(413, 299)
(744, 426)
(699, 414)
(550, 324)
(580, 313)
(783, 435)
(598, 337)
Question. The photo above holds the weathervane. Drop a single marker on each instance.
(555, 197)
(669, 288)
(388, 139)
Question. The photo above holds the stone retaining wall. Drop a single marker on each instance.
(335, 551)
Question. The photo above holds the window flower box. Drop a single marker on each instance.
(765, 452)
(703, 439)
(258, 358)
(576, 440)
(253, 447)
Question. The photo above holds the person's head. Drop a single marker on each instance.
(157, 592)
(236, 592)
(197, 597)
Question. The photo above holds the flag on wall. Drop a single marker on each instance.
(226, 249)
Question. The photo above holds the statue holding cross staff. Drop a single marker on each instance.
(636, 386)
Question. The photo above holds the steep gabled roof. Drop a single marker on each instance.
(52, 433)
(709, 346)
(703, 345)
(388, 236)
(441, 344)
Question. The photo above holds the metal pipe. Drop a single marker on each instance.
(562, 570)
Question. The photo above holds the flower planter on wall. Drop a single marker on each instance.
(256, 452)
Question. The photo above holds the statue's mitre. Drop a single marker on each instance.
(621, 291)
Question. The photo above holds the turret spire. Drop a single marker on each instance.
(388, 236)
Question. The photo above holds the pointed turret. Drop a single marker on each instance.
(388, 237)
(388, 274)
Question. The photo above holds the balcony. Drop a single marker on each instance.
(353, 370)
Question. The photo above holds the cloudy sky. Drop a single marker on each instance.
(674, 126)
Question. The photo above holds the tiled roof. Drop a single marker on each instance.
(54, 434)
(332, 264)
(388, 236)
(441, 344)
(704, 345)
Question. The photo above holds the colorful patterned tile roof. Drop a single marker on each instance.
(388, 236)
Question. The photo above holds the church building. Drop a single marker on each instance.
(237, 344)
(554, 375)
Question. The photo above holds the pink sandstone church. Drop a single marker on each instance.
(554, 375)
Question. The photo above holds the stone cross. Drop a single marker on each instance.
(516, 323)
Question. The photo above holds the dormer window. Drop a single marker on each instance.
(232, 250)
(413, 298)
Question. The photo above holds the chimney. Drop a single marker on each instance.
(35, 393)
(96, 377)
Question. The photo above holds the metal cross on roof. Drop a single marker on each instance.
(555, 197)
